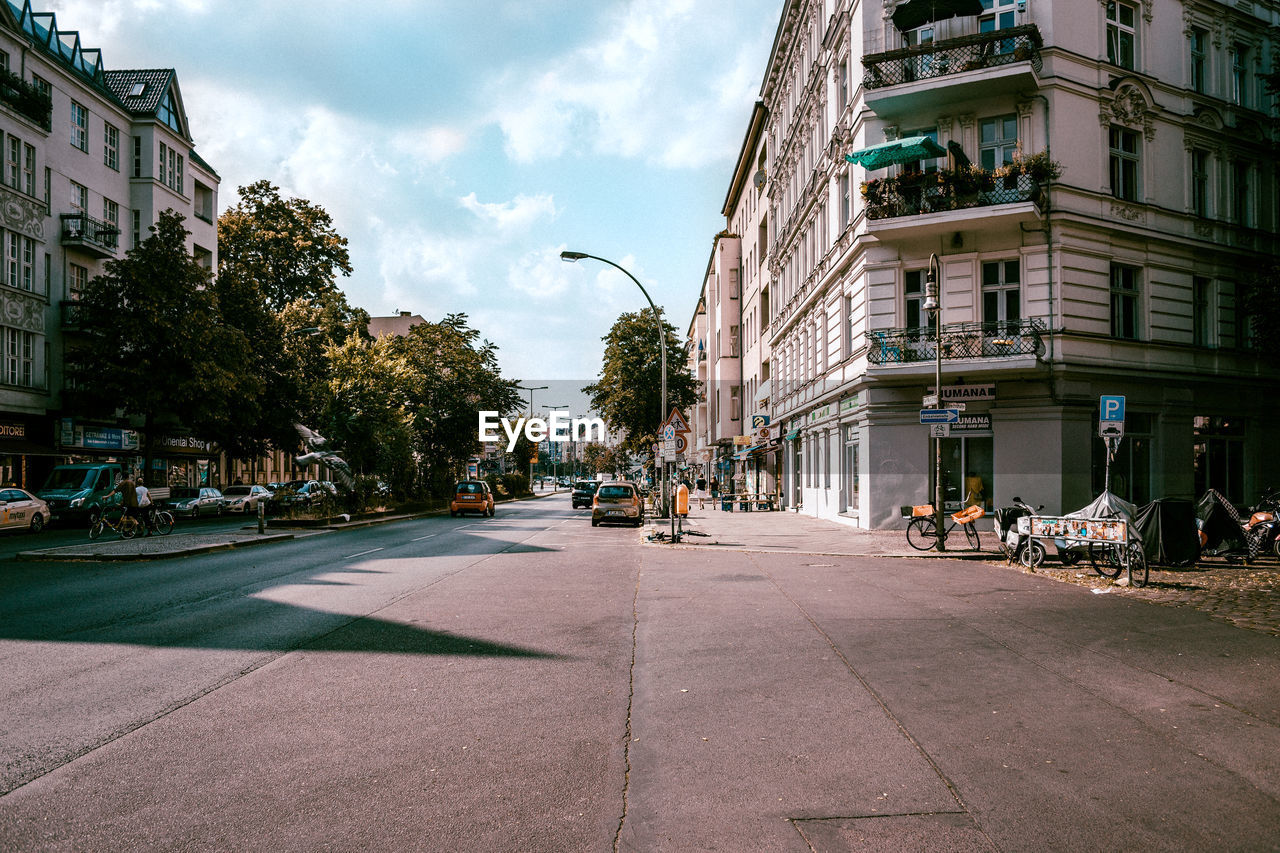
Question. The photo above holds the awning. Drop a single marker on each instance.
(917, 13)
(743, 454)
(898, 151)
(791, 436)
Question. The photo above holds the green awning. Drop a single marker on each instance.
(791, 436)
(898, 151)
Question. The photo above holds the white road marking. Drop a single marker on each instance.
(361, 554)
(420, 538)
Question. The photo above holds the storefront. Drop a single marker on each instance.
(183, 460)
(27, 453)
(91, 442)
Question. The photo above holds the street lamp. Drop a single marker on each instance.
(662, 352)
(553, 407)
(934, 307)
(531, 390)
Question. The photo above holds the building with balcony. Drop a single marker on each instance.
(1091, 185)
(91, 156)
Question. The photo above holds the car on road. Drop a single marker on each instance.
(617, 501)
(297, 493)
(245, 498)
(21, 509)
(193, 502)
(471, 496)
(584, 493)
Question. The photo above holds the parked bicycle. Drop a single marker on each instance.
(922, 531)
(129, 526)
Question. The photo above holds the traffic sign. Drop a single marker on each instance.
(940, 430)
(1111, 408)
(1111, 429)
(930, 401)
(939, 416)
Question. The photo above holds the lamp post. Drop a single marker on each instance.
(933, 305)
(662, 352)
(550, 443)
(531, 390)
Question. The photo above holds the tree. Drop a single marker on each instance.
(367, 415)
(288, 246)
(151, 344)
(1260, 300)
(628, 394)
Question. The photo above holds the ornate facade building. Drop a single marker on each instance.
(1044, 203)
(91, 157)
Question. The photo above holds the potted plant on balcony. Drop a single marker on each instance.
(1007, 175)
(873, 192)
(1040, 167)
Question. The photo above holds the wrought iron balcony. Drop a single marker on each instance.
(959, 341)
(927, 193)
(953, 56)
(71, 316)
(85, 232)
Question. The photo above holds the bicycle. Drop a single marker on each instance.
(128, 526)
(922, 531)
(1109, 560)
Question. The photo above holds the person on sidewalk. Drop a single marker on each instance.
(146, 511)
(715, 491)
(701, 485)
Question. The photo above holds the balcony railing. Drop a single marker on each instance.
(953, 56)
(27, 98)
(891, 197)
(959, 341)
(100, 238)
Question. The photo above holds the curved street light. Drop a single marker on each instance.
(571, 257)
(933, 305)
(531, 390)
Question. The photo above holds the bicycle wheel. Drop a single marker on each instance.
(95, 529)
(971, 533)
(1105, 559)
(1138, 571)
(921, 534)
(128, 527)
(1031, 554)
(164, 522)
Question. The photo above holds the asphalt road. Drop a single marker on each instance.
(531, 683)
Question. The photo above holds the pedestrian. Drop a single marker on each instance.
(145, 510)
(701, 484)
(715, 491)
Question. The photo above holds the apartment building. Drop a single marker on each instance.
(1042, 201)
(91, 157)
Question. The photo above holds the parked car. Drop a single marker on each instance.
(245, 498)
(193, 502)
(75, 492)
(617, 501)
(471, 496)
(21, 509)
(297, 493)
(584, 492)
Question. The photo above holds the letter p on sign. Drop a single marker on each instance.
(1111, 409)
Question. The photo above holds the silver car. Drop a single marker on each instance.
(245, 498)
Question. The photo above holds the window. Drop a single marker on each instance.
(168, 113)
(998, 141)
(13, 162)
(1218, 454)
(77, 281)
(1241, 198)
(111, 147)
(1200, 290)
(111, 215)
(914, 293)
(1242, 322)
(1122, 36)
(79, 126)
(79, 197)
(967, 472)
(1001, 295)
(137, 90)
(137, 156)
(851, 481)
(735, 403)
(846, 200)
(999, 15)
(137, 228)
(842, 84)
(170, 173)
(18, 348)
(1200, 182)
(1124, 302)
(1124, 163)
(1199, 60)
(29, 169)
(1240, 74)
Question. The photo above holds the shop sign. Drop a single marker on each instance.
(12, 430)
(961, 393)
(105, 438)
(973, 423)
(819, 414)
(743, 441)
(185, 444)
(849, 403)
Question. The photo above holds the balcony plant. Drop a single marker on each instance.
(1039, 167)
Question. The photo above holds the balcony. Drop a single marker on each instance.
(99, 239)
(1012, 344)
(25, 98)
(920, 205)
(71, 316)
(910, 79)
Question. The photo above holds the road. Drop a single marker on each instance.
(531, 683)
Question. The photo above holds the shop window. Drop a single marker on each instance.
(967, 472)
(1131, 467)
(851, 483)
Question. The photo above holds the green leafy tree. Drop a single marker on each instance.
(367, 414)
(287, 245)
(628, 393)
(152, 345)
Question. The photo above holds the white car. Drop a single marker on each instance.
(21, 509)
(245, 498)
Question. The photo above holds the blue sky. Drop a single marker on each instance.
(460, 146)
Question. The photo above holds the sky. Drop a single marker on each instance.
(461, 145)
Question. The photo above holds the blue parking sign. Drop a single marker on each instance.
(1111, 408)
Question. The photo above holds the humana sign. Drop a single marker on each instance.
(559, 428)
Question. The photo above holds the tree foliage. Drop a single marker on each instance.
(152, 345)
(288, 246)
(628, 393)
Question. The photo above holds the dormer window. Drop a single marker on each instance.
(137, 90)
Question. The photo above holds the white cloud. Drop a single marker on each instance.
(519, 214)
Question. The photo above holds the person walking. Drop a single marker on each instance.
(715, 491)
